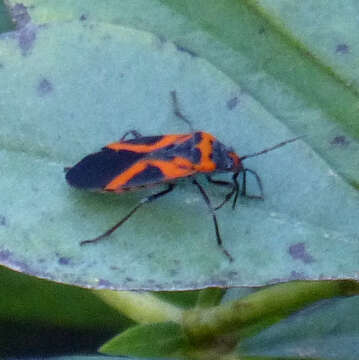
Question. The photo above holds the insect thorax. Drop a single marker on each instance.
(220, 155)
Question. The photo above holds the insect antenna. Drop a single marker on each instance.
(243, 191)
(271, 148)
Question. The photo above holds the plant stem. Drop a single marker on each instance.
(265, 307)
(141, 307)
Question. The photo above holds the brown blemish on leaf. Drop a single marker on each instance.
(294, 275)
(64, 260)
(7, 260)
(4, 255)
(3, 220)
(298, 252)
(44, 87)
(342, 49)
(105, 283)
(232, 103)
(185, 50)
(26, 31)
(20, 15)
(340, 140)
(26, 38)
(232, 274)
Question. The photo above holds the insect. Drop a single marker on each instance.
(146, 161)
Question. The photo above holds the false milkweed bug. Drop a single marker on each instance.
(145, 161)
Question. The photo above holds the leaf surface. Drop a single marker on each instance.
(74, 87)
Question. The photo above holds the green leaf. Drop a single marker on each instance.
(28, 300)
(152, 340)
(326, 330)
(258, 310)
(74, 87)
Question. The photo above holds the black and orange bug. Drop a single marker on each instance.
(145, 161)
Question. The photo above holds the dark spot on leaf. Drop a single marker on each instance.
(20, 15)
(64, 260)
(232, 274)
(294, 275)
(3, 220)
(112, 267)
(44, 87)
(83, 17)
(6, 259)
(26, 37)
(340, 140)
(298, 251)
(261, 30)
(129, 279)
(232, 103)
(4, 255)
(342, 49)
(104, 283)
(185, 50)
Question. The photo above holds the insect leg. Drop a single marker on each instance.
(214, 217)
(143, 201)
(244, 184)
(177, 111)
(134, 133)
(222, 183)
(236, 189)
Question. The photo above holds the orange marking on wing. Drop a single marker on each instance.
(119, 181)
(177, 168)
(165, 141)
(206, 148)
